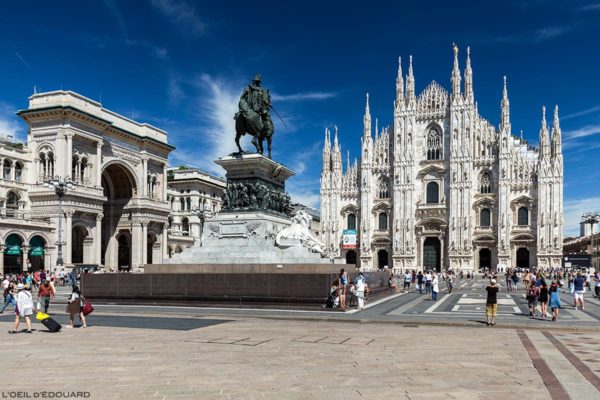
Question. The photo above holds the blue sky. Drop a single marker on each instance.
(181, 65)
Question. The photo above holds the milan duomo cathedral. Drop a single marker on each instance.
(443, 188)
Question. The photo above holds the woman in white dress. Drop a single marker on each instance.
(24, 308)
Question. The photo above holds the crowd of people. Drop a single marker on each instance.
(18, 292)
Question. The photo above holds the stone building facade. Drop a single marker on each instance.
(194, 196)
(116, 216)
(444, 188)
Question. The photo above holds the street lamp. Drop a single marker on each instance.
(60, 187)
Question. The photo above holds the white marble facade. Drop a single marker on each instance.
(443, 187)
(118, 214)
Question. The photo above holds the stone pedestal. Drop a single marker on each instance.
(253, 213)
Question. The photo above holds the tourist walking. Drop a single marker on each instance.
(360, 291)
(543, 297)
(428, 279)
(491, 304)
(75, 306)
(578, 290)
(420, 282)
(45, 294)
(597, 285)
(435, 287)
(9, 296)
(449, 282)
(508, 277)
(407, 280)
(555, 298)
(532, 299)
(24, 308)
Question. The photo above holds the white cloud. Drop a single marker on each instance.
(9, 122)
(118, 17)
(182, 14)
(550, 32)
(574, 209)
(580, 113)
(590, 7)
(306, 198)
(587, 130)
(156, 51)
(304, 96)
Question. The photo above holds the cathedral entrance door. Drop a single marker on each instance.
(351, 257)
(382, 259)
(485, 259)
(523, 257)
(432, 254)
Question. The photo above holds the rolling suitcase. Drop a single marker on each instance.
(51, 324)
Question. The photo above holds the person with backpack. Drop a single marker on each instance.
(9, 297)
(491, 304)
(532, 299)
(24, 308)
(75, 306)
(45, 294)
(420, 282)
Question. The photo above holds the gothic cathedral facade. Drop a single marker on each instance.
(443, 188)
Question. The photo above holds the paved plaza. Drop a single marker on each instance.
(387, 351)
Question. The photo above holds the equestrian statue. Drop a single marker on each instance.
(253, 116)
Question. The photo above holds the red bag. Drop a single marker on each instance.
(87, 307)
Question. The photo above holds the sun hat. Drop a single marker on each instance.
(20, 286)
(493, 281)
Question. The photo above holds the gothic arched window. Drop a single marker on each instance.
(383, 191)
(434, 144)
(485, 183)
(484, 217)
(433, 193)
(523, 216)
(383, 221)
(351, 221)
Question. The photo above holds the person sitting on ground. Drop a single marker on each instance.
(391, 284)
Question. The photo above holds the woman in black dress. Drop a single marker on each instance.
(544, 298)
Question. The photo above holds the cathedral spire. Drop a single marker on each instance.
(556, 135)
(336, 144)
(505, 114)
(327, 144)
(410, 81)
(455, 73)
(326, 154)
(544, 140)
(399, 84)
(348, 161)
(469, 78)
(367, 120)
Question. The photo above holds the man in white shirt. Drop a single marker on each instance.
(428, 279)
(5, 282)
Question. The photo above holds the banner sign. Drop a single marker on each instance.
(349, 239)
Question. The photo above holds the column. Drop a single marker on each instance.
(144, 176)
(98, 239)
(164, 183)
(12, 170)
(165, 243)
(25, 256)
(67, 236)
(144, 242)
(136, 244)
(98, 182)
(69, 160)
(2, 260)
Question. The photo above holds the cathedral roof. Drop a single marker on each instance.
(433, 101)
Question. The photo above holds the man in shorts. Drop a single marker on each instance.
(491, 304)
(407, 280)
(578, 289)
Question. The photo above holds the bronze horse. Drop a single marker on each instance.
(260, 126)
